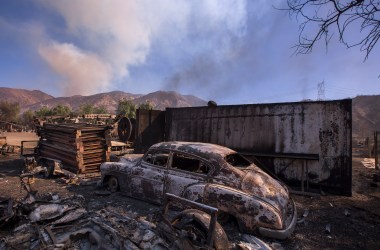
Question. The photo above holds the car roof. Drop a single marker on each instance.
(204, 150)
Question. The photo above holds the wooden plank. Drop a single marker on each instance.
(64, 159)
(88, 152)
(60, 148)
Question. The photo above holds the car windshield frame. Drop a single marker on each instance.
(207, 164)
(154, 161)
(237, 160)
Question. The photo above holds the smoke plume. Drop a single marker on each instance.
(108, 37)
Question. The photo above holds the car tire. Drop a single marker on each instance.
(113, 184)
(197, 230)
(223, 217)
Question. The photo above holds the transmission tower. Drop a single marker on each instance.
(321, 91)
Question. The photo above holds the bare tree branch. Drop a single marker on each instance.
(320, 18)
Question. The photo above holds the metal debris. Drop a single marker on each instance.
(347, 213)
(47, 212)
(71, 216)
(328, 229)
(252, 243)
(65, 223)
(276, 246)
(6, 211)
(305, 213)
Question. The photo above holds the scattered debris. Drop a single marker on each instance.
(47, 212)
(304, 215)
(102, 192)
(6, 211)
(376, 177)
(51, 222)
(346, 213)
(252, 243)
(276, 246)
(328, 229)
(373, 184)
(369, 162)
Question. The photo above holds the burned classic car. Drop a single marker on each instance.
(210, 174)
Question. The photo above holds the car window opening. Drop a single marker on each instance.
(237, 160)
(158, 158)
(188, 163)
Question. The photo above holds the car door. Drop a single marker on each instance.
(185, 170)
(147, 177)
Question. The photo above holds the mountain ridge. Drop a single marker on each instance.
(36, 99)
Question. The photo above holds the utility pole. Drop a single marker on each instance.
(321, 91)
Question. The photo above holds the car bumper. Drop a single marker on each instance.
(283, 233)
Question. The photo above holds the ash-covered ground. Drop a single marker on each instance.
(324, 222)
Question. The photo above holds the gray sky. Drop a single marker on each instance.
(232, 52)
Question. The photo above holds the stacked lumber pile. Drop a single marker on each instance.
(80, 147)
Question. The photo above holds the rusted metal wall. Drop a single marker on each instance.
(149, 129)
(303, 141)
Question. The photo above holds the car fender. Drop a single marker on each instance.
(108, 169)
(203, 219)
(250, 211)
(195, 192)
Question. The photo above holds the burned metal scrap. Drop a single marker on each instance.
(47, 223)
(6, 211)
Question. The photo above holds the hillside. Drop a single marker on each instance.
(163, 99)
(34, 100)
(108, 100)
(22, 96)
(365, 115)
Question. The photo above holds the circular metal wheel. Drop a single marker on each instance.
(113, 184)
(124, 129)
(196, 225)
(196, 233)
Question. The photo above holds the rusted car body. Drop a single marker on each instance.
(209, 174)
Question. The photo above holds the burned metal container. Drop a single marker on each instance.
(305, 144)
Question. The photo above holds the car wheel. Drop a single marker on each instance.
(113, 184)
(223, 217)
(197, 230)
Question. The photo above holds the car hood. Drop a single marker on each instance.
(260, 184)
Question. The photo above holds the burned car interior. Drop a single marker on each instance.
(156, 157)
(237, 160)
(179, 161)
(189, 163)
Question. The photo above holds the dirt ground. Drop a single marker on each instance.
(324, 222)
(15, 138)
